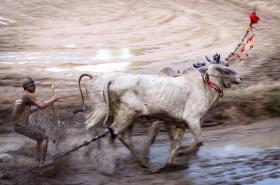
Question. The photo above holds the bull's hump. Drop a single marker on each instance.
(189, 71)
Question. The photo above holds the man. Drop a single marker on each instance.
(26, 104)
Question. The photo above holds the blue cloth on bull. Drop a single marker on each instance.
(201, 66)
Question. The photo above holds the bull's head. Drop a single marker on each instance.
(226, 74)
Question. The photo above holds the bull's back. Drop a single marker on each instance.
(152, 94)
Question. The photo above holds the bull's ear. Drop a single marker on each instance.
(208, 59)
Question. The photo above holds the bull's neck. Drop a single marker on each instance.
(214, 95)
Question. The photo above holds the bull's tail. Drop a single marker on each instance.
(83, 100)
(107, 101)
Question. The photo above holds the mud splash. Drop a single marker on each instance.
(222, 160)
(55, 41)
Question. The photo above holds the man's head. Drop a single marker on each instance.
(28, 84)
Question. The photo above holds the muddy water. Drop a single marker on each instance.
(239, 155)
(56, 40)
(234, 155)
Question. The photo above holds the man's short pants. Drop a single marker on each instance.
(32, 132)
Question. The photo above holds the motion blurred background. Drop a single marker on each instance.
(55, 41)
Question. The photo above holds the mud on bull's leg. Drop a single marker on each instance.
(122, 122)
(93, 123)
(126, 137)
(130, 147)
(168, 129)
(176, 143)
(152, 134)
(195, 129)
(153, 131)
(95, 145)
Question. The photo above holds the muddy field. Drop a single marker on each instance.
(57, 40)
(230, 155)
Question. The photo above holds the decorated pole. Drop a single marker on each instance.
(54, 108)
(243, 49)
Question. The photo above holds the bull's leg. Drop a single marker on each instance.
(169, 131)
(123, 121)
(92, 125)
(153, 131)
(195, 129)
(96, 118)
(132, 150)
(94, 145)
(126, 137)
(176, 143)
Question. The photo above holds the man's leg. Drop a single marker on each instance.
(42, 141)
(39, 134)
(38, 153)
(43, 150)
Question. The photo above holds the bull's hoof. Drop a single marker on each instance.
(193, 149)
(174, 167)
(146, 161)
(167, 168)
(143, 164)
(185, 152)
(153, 170)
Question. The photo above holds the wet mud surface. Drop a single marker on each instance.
(55, 41)
(247, 154)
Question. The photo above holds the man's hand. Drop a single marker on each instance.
(55, 98)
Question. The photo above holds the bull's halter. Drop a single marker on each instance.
(211, 85)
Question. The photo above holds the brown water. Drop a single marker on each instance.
(234, 155)
(57, 40)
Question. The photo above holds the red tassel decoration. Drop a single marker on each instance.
(210, 85)
(242, 50)
(247, 38)
(254, 19)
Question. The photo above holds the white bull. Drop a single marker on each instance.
(153, 130)
(185, 99)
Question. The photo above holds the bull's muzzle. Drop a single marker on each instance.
(237, 80)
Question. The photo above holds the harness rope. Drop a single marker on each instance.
(211, 85)
(78, 146)
(59, 122)
(72, 95)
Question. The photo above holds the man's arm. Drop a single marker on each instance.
(44, 104)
